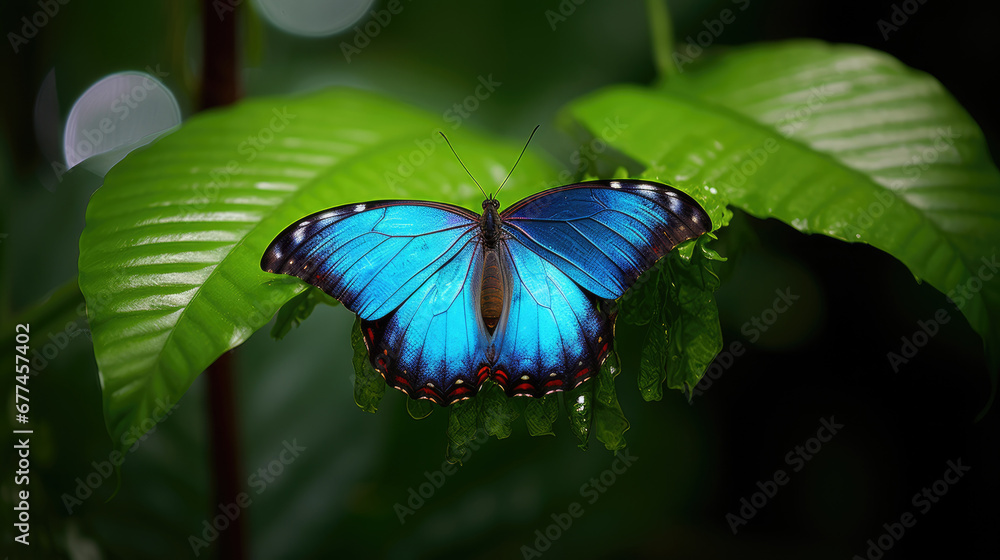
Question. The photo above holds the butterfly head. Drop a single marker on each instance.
(490, 222)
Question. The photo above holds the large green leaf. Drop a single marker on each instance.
(832, 139)
(169, 258)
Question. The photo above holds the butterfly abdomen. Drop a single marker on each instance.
(492, 292)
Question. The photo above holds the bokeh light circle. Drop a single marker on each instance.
(116, 115)
(313, 18)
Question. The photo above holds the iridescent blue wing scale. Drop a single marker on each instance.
(372, 256)
(555, 335)
(570, 250)
(604, 234)
(434, 346)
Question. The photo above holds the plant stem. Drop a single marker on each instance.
(225, 451)
(219, 76)
(662, 31)
(219, 87)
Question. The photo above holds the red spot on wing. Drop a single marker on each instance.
(524, 389)
(401, 381)
(459, 393)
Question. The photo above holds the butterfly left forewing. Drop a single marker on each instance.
(371, 256)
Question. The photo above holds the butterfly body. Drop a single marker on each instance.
(449, 298)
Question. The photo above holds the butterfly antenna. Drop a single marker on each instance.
(463, 164)
(518, 159)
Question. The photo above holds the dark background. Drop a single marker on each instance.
(825, 357)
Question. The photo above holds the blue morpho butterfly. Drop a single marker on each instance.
(449, 298)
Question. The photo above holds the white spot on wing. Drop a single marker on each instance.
(360, 207)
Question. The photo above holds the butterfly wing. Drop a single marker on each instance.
(372, 256)
(569, 250)
(434, 346)
(604, 234)
(554, 335)
(408, 269)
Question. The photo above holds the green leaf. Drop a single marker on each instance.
(540, 414)
(580, 411)
(642, 302)
(498, 411)
(833, 139)
(653, 359)
(676, 300)
(610, 424)
(369, 387)
(169, 257)
(692, 315)
(462, 428)
(418, 409)
(297, 310)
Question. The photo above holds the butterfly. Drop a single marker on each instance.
(449, 298)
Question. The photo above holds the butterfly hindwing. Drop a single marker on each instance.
(433, 346)
(554, 335)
